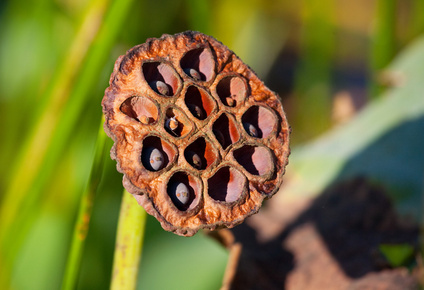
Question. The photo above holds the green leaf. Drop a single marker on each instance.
(384, 142)
(397, 255)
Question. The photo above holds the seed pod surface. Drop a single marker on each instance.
(200, 139)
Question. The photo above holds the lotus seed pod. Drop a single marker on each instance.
(199, 168)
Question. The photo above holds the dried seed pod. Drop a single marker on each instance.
(224, 174)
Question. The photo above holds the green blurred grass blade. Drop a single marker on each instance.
(417, 17)
(313, 75)
(30, 156)
(83, 220)
(383, 47)
(199, 15)
(129, 244)
(51, 135)
(36, 144)
(256, 33)
(19, 28)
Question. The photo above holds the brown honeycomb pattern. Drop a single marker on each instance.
(200, 139)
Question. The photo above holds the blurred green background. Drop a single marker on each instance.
(324, 58)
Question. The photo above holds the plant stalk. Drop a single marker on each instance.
(129, 244)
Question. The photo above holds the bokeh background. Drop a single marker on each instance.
(330, 61)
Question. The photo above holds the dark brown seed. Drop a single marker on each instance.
(196, 111)
(194, 160)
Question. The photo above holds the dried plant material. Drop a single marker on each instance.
(201, 141)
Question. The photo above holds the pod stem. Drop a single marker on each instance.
(129, 244)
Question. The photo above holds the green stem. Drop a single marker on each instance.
(129, 244)
(83, 221)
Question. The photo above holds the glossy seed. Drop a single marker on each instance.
(172, 124)
(182, 193)
(145, 120)
(195, 160)
(250, 129)
(154, 157)
(196, 111)
(160, 87)
(193, 73)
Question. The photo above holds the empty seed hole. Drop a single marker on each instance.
(232, 90)
(161, 78)
(156, 153)
(225, 131)
(198, 64)
(141, 109)
(199, 102)
(182, 190)
(259, 121)
(176, 123)
(256, 160)
(227, 184)
(200, 154)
